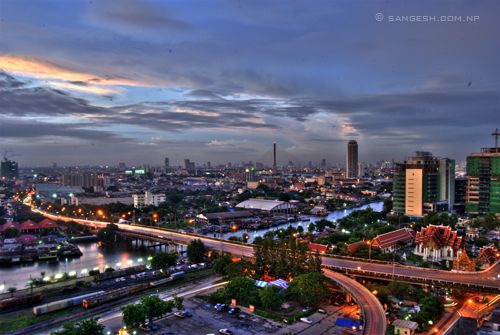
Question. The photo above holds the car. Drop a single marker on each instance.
(321, 310)
(286, 321)
(234, 310)
(306, 320)
(220, 307)
(183, 314)
(225, 331)
(306, 309)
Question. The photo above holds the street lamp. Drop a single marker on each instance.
(369, 243)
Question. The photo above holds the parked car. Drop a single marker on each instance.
(183, 314)
(225, 331)
(321, 310)
(220, 307)
(306, 320)
(234, 310)
(306, 309)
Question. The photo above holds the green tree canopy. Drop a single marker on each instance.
(196, 251)
(270, 297)
(309, 289)
(163, 260)
(134, 315)
(243, 290)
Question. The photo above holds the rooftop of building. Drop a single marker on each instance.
(262, 204)
(405, 324)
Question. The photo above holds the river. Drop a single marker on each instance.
(17, 275)
(332, 216)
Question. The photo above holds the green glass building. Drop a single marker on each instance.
(483, 182)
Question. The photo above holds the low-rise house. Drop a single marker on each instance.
(404, 327)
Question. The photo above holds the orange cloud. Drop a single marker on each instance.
(63, 77)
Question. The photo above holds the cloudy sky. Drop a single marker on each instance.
(108, 81)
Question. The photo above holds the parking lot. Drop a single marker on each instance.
(206, 320)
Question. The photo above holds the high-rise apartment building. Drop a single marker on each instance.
(352, 160)
(167, 165)
(190, 166)
(483, 180)
(84, 179)
(423, 184)
(9, 169)
(148, 199)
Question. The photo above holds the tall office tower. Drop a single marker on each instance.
(423, 184)
(447, 181)
(352, 160)
(9, 169)
(209, 164)
(167, 165)
(122, 166)
(275, 166)
(189, 166)
(483, 180)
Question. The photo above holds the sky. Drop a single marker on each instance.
(102, 82)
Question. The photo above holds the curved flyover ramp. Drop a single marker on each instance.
(375, 322)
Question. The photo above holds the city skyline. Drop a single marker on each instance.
(103, 84)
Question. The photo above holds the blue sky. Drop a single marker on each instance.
(135, 81)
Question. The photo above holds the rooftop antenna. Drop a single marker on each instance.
(496, 134)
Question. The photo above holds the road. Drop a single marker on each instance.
(373, 312)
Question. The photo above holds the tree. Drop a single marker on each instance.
(164, 260)
(85, 327)
(270, 297)
(309, 289)
(196, 251)
(243, 290)
(239, 268)
(220, 264)
(11, 233)
(134, 315)
(178, 302)
(155, 307)
(311, 227)
(387, 205)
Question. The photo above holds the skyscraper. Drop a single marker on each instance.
(167, 165)
(422, 184)
(352, 160)
(483, 180)
(9, 169)
(275, 166)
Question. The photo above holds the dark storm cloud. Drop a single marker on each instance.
(22, 129)
(19, 101)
